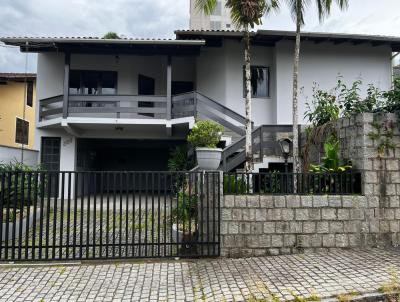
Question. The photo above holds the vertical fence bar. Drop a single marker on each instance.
(81, 213)
(120, 215)
(49, 184)
(21, 214)
(101, 214)
(133, 213)
(165, 214)
(191, 241)
(152, 214)
(68, 216)
(74, 239)
(60, 251)
(140, 175)
(202, 213)
(208, 213)
(89, 182)
(94, 214)
(53, 250)
(2, 202)
(127, 214)
(219, 214)
(41, 222)
(146, 227)
(14, 216)
(158, 213)
(114, 212)
(9, 187)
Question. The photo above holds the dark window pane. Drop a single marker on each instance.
(21, 131)
(109, 82)
(74, 82)
(29, 94)
(91, 81)
(259, 81)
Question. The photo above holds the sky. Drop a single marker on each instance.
(159, 18)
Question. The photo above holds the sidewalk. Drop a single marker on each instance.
(275, 279)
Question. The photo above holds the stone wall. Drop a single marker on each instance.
(270, 225)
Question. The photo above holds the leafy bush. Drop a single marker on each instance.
(205, 134)
(185, 211)
(331, 161)
(392, 97)
(323, 108)
(16, 181)
(111, 35)
(234, 184)
(179, 160)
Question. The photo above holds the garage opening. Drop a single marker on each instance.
(124, 154)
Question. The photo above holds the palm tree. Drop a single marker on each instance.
(245, 14)
(297, 8)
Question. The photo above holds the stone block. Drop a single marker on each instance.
(352, 226)
(261, 214)
(397, 213)
(329, 214)
(256, 228)
(336, 227)
(259, 252)
(229, 241)
(224, 228)
(335, 201)
(240, 201)
(233, 227)
(252, 241)
(226, 214)
(316, 240)
(322, 227)
(343, 214)
(296, 227)
(314, 214)
(280, 201)
(373, 201)
(372, 177)
(229, 201)
(289, 240)
(328, 240)
(356, 214)
(384, 226)
(277, 241)
(390, 189)
(265, 241)
(287, 214)
(301, 214)
(237, 214)
(273, 252)
(253, 201)
(394, 226)
(303, 241)
(269, 227)
(320, 201)
(392, 165)
(309, 227)
(374, 226)
(293, 201)
(341, 240)
(248, 214)
(245, 228)
(274, 214)
(306, 201)
(355, 240)
(282, 227)
(389, 214)
(266, 201)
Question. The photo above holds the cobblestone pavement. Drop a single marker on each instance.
(276, 278)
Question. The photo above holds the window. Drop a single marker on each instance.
(215, 25)
(21, 131)
(218, 9)
(92, 82)
(259, 81)
(29, 94)
(228, 25)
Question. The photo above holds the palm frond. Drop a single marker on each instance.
(248, 13)
(206, 6)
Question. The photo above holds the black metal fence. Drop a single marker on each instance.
(108, 215)
(344, 183)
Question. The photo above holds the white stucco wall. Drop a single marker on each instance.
(220, 76)
(323, 63)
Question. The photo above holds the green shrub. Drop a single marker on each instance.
(234, 185)
(185, 211)
(205, 134)
(179, 159)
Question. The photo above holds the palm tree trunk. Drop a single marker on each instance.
(296, 164)
(248, 148)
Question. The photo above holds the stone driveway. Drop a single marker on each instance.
(274, 279)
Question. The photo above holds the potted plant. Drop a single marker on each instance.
(205, 136)
(183, 218)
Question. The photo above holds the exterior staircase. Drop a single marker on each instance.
(265, 137)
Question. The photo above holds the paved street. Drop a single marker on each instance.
(255, 279)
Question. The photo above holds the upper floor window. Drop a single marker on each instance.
(218, 9)
(259, 81)
(92, 82)
(21, 131)
(29, 94)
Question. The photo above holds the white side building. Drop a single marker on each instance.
(220, 19)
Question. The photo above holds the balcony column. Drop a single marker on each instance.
(66, 84)
(169, 87)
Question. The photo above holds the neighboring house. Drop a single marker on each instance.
(17, 118)
(123, 104)
(220, 19)
(396, 71)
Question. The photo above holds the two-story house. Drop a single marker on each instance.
(123, 104)
(17, 118)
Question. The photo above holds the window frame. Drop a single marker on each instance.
(268, 69)
(29, 93)
(25, 122)
(99, 83)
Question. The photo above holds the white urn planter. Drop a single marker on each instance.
(208, 158)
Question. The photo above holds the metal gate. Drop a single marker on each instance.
(108, 215)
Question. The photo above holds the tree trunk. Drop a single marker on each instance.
(296, 164)
(249, 151)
